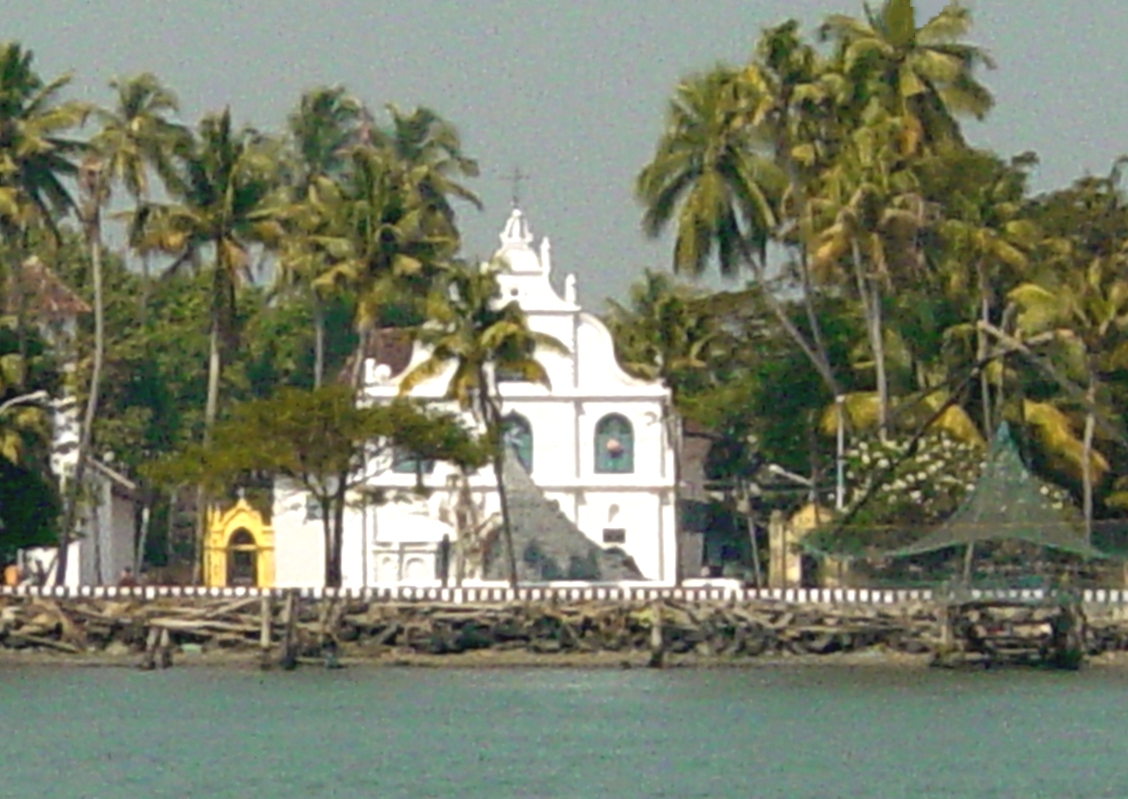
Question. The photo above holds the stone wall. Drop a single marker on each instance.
(640, 629)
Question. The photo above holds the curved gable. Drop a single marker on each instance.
(598, 363)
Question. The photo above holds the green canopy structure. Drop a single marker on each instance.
(1006, 504)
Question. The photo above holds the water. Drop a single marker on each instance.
(825, 732)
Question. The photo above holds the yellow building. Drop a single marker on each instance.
(238, 549)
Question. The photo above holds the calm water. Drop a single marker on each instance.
(755, 734)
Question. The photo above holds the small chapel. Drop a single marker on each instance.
(590, 469)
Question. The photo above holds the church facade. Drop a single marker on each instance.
(590, 455)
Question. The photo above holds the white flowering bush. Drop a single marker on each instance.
(924, 489)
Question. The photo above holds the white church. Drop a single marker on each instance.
(590, 477)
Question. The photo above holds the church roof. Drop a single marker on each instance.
(47, 298)
(547, 544)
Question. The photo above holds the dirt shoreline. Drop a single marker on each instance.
(481, 659)
(487, 660)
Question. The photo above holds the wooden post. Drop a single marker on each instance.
(165, 646)
(288, 659)
(657, 638)
(266, 622)
(149, 657)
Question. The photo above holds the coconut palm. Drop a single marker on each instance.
(1080, 296)
(36, 156)
(988, 236)
(326, 125)
(426, 150)
(95, 193)
(222, 190)
(713, 176)
(136, 138)
(874, 214)
(923, 75)
(223, 197)
(36, 159)
(471, 329)
(381, 244)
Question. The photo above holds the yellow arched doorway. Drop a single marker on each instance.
(239, 549)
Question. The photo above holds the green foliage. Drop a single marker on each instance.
(314, 437)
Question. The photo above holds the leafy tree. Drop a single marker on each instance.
(321, 440)
(136, 137)
(924, 75)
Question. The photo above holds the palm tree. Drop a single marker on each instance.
(323, 129)
(381, 244)
(924, 76)
(987, 227)
(223, 189)
(137, 137)
(426, 150)
(1080, 307)
(95, 192)
(223, 197)
(874, 214)
(714, 177)
(36, 158)
(472, 330)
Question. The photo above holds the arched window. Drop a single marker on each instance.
(614, 445)
(518, 435)
(406, 463)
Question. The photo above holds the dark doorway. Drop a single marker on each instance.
(242, 560)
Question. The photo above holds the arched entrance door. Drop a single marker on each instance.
(239, 550)
(242, 559)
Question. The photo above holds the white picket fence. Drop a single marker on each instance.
(589, 593)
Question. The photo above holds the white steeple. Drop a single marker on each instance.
(516, 246)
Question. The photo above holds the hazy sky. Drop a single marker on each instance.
(572, 91)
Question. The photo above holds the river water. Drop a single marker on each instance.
(818, 732)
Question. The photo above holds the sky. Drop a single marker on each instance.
(570, 92)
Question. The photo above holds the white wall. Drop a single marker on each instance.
(299, 543)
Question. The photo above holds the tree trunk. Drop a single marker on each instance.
(816, 351)
(1087, 460)
(820, 363)
(211, 411)
(359, 359)
(332, 522)
(869, 294)
(981, 353)
(146, 287)
(877, 337)
(318, 341)
(143, 538)
(85, 438)
(492, 415)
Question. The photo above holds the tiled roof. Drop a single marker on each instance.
(47, 298)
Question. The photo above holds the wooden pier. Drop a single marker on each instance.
(1050, 633)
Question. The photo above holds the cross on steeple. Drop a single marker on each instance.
(517, 177)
